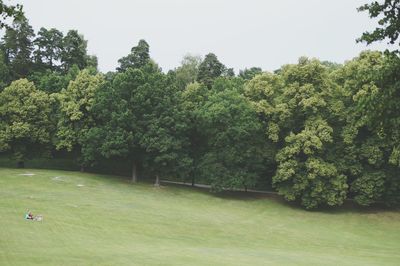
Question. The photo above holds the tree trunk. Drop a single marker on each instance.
(157, 183)
(134, 172)
(20, 164)
(193, 180)
(82, 168)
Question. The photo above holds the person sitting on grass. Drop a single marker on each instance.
(29, 216)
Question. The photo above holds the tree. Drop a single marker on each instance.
(188, 71)
(138, 57)
(248, 74)
(7, 11)
(17, 46)
(139, 119)
(297, 109)
(75, 112)
(4, 73)
(193, 97)
(54, 81)
(74, 51)
(371, 159)
(160, 125)
(49, 47)
(113, 136)
(389, 21)
(236, 153)
(25, 124)
(210, 69)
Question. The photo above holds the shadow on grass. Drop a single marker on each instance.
(349, 206)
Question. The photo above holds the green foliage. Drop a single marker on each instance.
(49, 49)
(210, 69)
(250, 73)
(25, 124)
(4, 73)
(369, 188)
(236, 153)
(53, 81)
(318, 132)
(138, 57)
(370, 84)
(188, 71)
(17, 47)
(388, 13)
(8, 11)
(295, 107)
(75, 111)
(74, 51)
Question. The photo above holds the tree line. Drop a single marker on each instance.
(317, 132)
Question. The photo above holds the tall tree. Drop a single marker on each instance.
(25, 124)
(236, 151)
(371, 133)
(17, 46)
(296, 106)
(74, 51)
(210, 69)
(75, 112)
(138, 57)
(49, 46)
(140, 120)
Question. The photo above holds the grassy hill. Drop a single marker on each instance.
(101, 220)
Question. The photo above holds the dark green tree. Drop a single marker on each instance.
(236, 152)
(388, 12)
(210, 69)
(74, 51)
(249, 73)
(138, 57)
(17, 47)
(49, 47)
(10, 11)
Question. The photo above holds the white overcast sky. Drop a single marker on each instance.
(246, 33)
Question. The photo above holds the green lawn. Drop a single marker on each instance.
(98, 220)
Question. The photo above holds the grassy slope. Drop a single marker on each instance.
(111, 222)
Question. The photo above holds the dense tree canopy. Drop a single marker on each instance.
(25, 124)
(317, 133)
(75, 111)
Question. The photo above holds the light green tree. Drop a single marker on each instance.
(25, 125)
(296, 107)
(75, 112)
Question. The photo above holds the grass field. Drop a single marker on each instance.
(101, 220)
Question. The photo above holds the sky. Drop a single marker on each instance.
(243, 34)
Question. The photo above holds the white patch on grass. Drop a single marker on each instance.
(57, 178)
(80, 185)
(28, 174)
